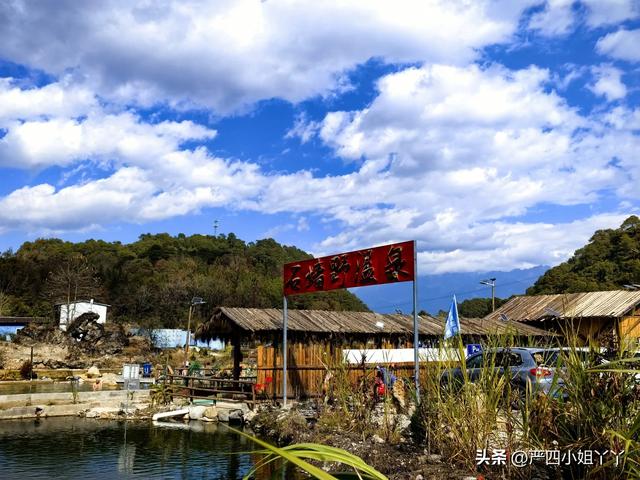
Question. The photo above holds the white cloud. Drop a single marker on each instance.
(622, 44)
(556, 18)
(447, 155)
(518, 245)
(608, 12)
(100, 137)
(56, 99)
(228, 55)
(608, 82)
(560, 17)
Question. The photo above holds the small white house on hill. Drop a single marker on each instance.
(69, 312)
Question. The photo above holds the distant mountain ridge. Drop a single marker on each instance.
(435, 291)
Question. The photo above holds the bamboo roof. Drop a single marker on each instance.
(227, 320)
(610, 304)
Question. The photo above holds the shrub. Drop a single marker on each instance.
(26, 370)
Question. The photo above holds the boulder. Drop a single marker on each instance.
(223, 414)
(242, 406)
(236, 416)
(403, 422)
(93, 372)
(197, 412)
(211, 413)
(249, 416)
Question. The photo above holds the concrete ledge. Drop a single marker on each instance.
(66, 398)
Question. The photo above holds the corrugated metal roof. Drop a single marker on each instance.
(321, 321)
(615, 303)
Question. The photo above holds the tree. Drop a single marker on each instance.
(73, 280)
(5, 301)
(609, 261)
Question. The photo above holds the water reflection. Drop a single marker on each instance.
(100, 449)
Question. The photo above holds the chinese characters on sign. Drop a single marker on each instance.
(522, 458)
(373, 266)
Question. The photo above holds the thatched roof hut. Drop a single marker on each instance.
(594, 315)
(265, 323)
(317, 335)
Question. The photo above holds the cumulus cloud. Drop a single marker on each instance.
(556, 18)
(608, 82)
(608, 12)
(560, 17)
(227, 55)
(447, 154)
(622, 44)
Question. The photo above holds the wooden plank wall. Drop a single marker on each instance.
(307, 368)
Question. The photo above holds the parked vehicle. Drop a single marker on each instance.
(531, 370)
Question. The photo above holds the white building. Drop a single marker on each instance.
(69, 312)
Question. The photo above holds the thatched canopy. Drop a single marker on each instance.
(251, 323)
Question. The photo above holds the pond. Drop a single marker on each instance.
(71, 447)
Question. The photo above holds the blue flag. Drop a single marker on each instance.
(452, 327)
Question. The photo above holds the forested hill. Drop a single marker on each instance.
(609, 261)
(152, 280)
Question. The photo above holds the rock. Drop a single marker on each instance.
(435, 458)
(93, 372)
(419, 477)
(223, 414)
(211, 413)
(233, 406)
(377, 439)
(197, 412)
(403, 422)
(236, 416)
(398, 393)
(109, 379)
(207, 419)
(249, 416)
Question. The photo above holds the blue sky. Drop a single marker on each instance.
(499, 135)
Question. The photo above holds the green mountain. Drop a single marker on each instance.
(153, 280)
(609, 261)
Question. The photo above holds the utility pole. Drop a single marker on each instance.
(194, 301)
(215, 228)
(492, 283)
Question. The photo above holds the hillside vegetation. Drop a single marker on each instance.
(152, 280)
(609, 261)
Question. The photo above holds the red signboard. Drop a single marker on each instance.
(372, 266)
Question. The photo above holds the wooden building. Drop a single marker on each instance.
(316, 339)
(609, 315)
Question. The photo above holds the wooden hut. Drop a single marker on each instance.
(609, 315)
(316, 338)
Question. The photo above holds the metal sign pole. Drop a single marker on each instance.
(284, 351)
(416, 352)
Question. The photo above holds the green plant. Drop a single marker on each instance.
(194, 368)
(298, 455)
(161, 394)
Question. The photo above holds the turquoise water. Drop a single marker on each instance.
(77, 448)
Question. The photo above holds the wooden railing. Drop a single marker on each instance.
(211, 388)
